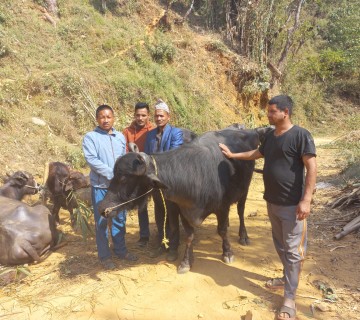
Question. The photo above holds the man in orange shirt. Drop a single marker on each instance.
(136, 133)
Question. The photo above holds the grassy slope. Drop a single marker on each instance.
(60, 74)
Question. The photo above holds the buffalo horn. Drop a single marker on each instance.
(133, 147)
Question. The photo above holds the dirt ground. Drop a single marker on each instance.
(70, 283)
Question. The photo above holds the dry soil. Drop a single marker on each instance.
(70, 284)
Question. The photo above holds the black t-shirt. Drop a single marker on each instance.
(283, 167)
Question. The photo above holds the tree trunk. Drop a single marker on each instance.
(290, 37)
(52, 7)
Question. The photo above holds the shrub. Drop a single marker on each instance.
(75, 157)
(70, 85)
(162, 51)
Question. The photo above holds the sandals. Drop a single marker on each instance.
(275, 284)
(287, 310)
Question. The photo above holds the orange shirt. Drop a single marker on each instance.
(133, 134)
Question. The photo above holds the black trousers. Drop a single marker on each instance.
(172, 229)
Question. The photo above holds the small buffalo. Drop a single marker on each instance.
(26, 233)
(196, 176)
(19, 184)
(63, 184)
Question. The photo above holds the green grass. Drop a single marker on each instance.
(61, 74)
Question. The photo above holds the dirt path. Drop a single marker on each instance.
(70, 284)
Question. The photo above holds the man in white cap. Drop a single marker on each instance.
(163, 138)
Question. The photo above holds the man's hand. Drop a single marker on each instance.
(225, 150)
(303, 209)
(248, 155)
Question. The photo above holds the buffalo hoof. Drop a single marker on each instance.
(228, 258)
(183, 268)
(244, 241)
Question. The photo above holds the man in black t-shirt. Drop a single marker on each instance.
(287, 150)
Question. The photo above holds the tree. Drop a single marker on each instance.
(340, 55)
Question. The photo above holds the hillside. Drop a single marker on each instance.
(55, 69)
(59, 72)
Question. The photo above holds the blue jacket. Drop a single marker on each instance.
(172, 138)
(101, 151)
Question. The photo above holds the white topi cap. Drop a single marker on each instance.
(161, 105)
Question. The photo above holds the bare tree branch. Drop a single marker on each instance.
(290, 37)
(189, 10)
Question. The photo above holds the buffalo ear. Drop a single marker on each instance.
(141, 165)
(156, 183)
(68, 185)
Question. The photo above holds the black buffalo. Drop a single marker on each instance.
(196, 176)
(19, 184)
(64, 184)
(26, 233)
(188, 135)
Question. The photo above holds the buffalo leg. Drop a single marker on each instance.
(243, 236)
(72, 217)
(188, 258)
(30, 250)
(173, 220)
(223, 222)
(55, 212)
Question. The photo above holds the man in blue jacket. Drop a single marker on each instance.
(163, 138)
(101, 148)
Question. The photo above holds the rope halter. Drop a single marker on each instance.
(36, 189)
(110, 209)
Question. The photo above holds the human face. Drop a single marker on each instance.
(141, 117)
(161, 118)
(105, 119)
(275, 115)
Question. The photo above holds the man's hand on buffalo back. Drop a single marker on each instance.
(225, 150)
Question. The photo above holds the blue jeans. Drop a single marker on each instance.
(117, 228)
(144, 221)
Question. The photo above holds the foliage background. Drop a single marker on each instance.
(214, 69)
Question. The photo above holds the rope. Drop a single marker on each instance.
(108, 210)
(165, 240)
(31, 187)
